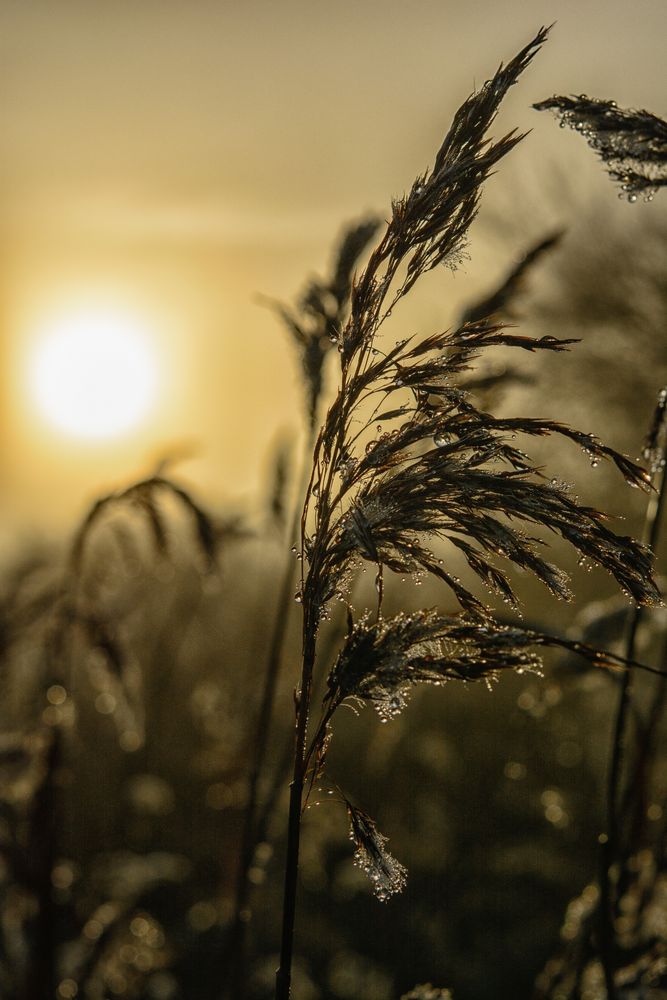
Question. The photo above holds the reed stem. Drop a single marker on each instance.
(610, 843)
(284, 973)
(252, 826)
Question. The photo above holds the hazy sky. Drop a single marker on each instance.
(180, 157)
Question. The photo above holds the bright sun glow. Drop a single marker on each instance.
(93, 374)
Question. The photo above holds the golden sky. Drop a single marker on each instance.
(176, 158)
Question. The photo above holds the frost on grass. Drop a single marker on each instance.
(387, 875)
(382, 660)
(631, 144)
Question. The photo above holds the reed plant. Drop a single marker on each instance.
(410, 473)
(74, 627)
(314, 326)
(632, 145)
(405, 460)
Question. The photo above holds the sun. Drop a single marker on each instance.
(93, 374)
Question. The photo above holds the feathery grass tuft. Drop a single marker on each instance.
(382, 660)
(387, 875)
(405, 458)
(631, 144)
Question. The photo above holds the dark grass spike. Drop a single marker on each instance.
(355, 240)
(655, 445)
(279, 488)
(144, 495)
(501, 301)
(322, 309)
(631, 144)
(429, 225)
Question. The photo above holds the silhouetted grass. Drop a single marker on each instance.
(447, 471)
(142, 730)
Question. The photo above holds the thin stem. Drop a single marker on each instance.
(251, 826)
(311, 614)
(282, 770)
(379, 586)
(284, 973)
(610, 842)
(315, 745)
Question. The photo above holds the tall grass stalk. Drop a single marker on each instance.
(253, 826)
(314, 326)
(70, 612)
(443, 470)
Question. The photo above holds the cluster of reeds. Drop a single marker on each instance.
(616, 942)
(411, 475)
(404, 460)
(67, 621)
